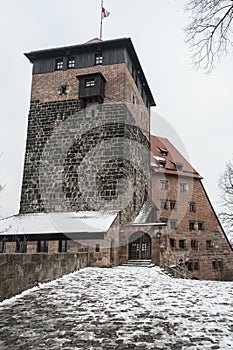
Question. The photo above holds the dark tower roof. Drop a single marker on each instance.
(97, 45)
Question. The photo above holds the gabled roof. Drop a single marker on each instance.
(164, 152)
(52, 223)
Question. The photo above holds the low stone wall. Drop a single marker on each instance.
(19, 272)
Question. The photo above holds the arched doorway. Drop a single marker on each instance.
(140, 246)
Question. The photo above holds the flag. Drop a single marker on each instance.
(105, 13)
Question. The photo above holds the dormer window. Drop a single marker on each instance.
(59, 64)
(178, 166)
(163, 151)
(71, 62)
(98, 58)
(161, 161)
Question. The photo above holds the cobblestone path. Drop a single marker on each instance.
(119, 308)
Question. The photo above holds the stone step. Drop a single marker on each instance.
(139, 263)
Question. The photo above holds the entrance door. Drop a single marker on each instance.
(140, 246)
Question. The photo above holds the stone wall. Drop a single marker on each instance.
(84, 159)
(23, 271)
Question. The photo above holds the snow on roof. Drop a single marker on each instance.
(142, 216)
(66, 222)
(160, 159)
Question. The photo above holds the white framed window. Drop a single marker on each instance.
(89, 82)
(59, 64)
(71, 62)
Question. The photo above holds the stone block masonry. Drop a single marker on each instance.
(23, 271)
(84, 159)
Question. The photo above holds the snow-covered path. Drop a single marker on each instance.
(119, 308)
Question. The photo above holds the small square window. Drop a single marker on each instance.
(200, 226)
(173, 205)
(59, 64)
(163, 185)
(173, 224)
(194, 244)
(196, 265)
(164, 220)
(163, 204)
(99, 58)
(183, 187)
(191, 225)
(193, 265)
(192, 207)
(89, 82)
(172, 243)
(182, 244)
(209, 244)
(217, 265)
(71, 62)
(63, 90)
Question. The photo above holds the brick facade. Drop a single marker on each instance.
(194, 239)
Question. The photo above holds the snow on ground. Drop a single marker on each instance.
(119, 308)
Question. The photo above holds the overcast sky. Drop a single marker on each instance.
(194, 109)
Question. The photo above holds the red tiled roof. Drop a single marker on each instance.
(174, 162)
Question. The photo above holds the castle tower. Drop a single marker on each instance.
(88, 138)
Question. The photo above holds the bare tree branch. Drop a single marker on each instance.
(226, 188)
(210, 32)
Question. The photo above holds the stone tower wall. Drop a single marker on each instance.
(95, 158)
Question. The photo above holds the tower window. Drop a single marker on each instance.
(63, 90)
(99, 58)
(71, 62)
(89, 82)
(59, 64)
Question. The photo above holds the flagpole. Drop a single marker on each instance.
(101, 21)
